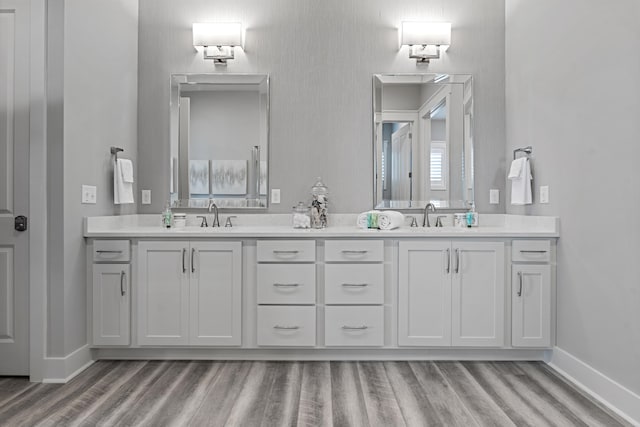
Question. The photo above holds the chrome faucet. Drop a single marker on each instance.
(216, 220)
(425, 220)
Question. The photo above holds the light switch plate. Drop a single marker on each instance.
(146, 197)
(494, 196)
(89, 194)
(544, 194)
(275, 196)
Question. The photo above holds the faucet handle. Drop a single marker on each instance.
(439, 220)
(414, 221)
(228, 223)
(204, 221)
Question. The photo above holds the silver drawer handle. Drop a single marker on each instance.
(286, 285)
(348, 252)
(108, 252)
(287, 328)
(354, 328)
(532, 252)
(285, 252)
(355, 285)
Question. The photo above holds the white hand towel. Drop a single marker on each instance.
(126, 169)
(122, 190)
(516, 167)
(521, 184)
(388, 220)
(363, 220)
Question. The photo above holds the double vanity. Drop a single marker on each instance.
(263, 290)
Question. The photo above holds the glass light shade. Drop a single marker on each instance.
(217, 34)
(426, 33)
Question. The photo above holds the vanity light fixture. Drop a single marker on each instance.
(217, 39)
(426, 39)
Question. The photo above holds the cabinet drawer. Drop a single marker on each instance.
(293, 326)
(354, 326)
(354, 284)
(531, 250)
(111, 251)
(354, 250)
(286, 283)
(286, 250)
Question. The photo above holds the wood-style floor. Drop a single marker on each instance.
(197, 393)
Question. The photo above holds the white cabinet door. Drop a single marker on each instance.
(111, 304)
(531, 306)
(215, 293)
(424, 294)
(478, 294)
(163, 293)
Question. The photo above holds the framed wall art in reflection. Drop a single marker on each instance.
(228, 177)
(199, 177)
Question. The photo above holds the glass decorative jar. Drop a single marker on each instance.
(301, 216)
(319, 204)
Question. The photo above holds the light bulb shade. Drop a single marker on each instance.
(217, 34)
(426, 33)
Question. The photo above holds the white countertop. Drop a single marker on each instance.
(251, 226)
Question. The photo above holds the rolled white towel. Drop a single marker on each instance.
(388, 220)
(363, 219)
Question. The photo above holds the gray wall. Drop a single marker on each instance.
(92, 100)
(321, 56)
(572, 93)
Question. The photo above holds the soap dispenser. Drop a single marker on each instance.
(167, 216)
(319, 204)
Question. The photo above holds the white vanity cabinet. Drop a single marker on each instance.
(189, 293)
(111, 290)
(451, 293)
(531, 294)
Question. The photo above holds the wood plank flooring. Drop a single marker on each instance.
(234, 393)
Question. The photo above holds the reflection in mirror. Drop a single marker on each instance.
(219, 140)
(423, 141)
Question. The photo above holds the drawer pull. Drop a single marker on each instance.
(286, 285)
(349, 252)
(285, 252)
(524, 251)
(354, 328)
(108, 252)
(355, 285)
(286, 328)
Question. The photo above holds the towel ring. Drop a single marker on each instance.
(115, 150)
(526, 150)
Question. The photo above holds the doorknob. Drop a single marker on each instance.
(20, 223)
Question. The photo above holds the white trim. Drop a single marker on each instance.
(613, 395)
(361, 354)
(63, 369)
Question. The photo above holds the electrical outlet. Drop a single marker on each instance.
(146, 197)
(275, 196)
(544, 194)
(494, 196)
(89, 194)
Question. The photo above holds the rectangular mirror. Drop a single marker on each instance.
(423, 141)
(219, 132)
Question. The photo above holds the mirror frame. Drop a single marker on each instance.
(176, 79)
(450, 205)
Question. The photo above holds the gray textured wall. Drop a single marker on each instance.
(92, 104)
(321, 56)
(572, 93)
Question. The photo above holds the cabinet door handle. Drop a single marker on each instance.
(355, 285)
(532, 252)
(520, 283)
(286, 285)
(457, 261)
(193, 265)
(448, 269)
(184, 253)
(354, 328)
(108, 252)
(122, 291)
(287, 328)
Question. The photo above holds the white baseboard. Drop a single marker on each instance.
(63, 369)
(613, 395)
